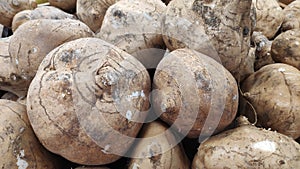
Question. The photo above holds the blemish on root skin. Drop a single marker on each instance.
(21, 163)
(268, 146)
(135, 166)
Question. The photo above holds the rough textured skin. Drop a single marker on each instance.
(218, 28)
(8, 9)
(269, 17)
(92, 12)
(274, 92)
(248, 147)
(291, 16)
(189, 95)
(31, 43)
(68, 5)
(19, 146)
(8, 71)
(263, 50)
(159, 155)
(134, 25)
(43, 12)
(286, 48)
(58, 100)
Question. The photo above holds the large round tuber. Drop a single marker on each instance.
(274, 93)
(194, 93)
(85, 93)
(248, 147)
(34, 39)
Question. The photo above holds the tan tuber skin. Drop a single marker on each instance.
(92, 12)
(291, 16)
(190, 97)
(32, 41)
(8, 72)
(274, 93)
(262, 51)
(8, 9)
(286, 48)
(135, 26)
(248, 147)
(43, 12)
(158, 153)
(72, 115)
(67, 5)
(269, 17)
(209, 27)
(19, 146)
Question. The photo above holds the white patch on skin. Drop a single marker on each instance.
(106, 148)
(17, 61)
(135, 166)
(21, 163)
(281, 69)
(235, 97)
(135, 95)
(129, 115)
(142, 93)
(268, 146)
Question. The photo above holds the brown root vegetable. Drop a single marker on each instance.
(157, 151)
(201, 99)
(19, 146)
(248, 147)
(9, 80)
(43, 12)
(68, 5)
(273, 91)
(291, 16)
(286, 48)
(134, 26)
(208, 27)
(33, 40)
(269, 17)
(9, 8)
(262, 51)
(92, 12)
(84, 94)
